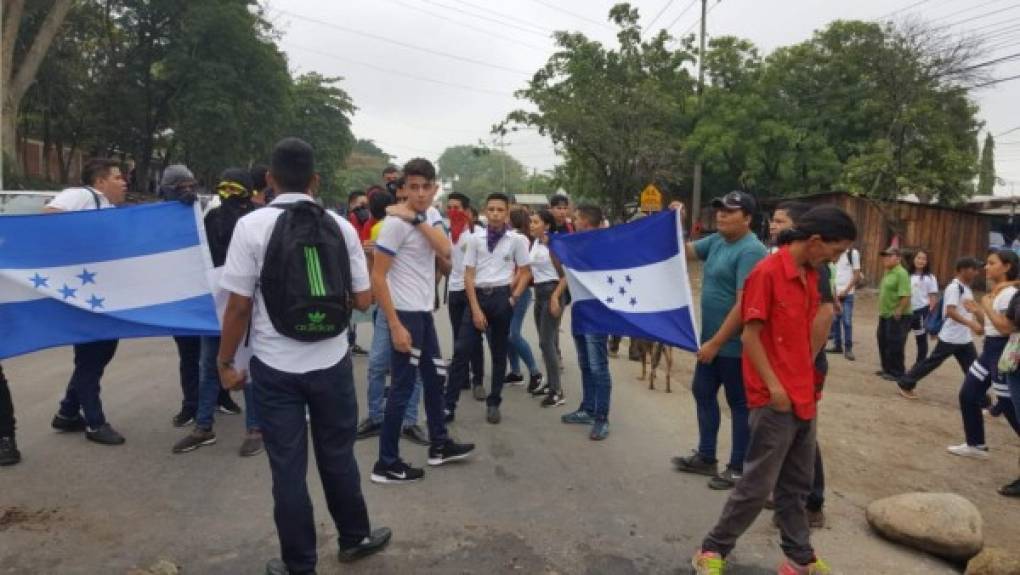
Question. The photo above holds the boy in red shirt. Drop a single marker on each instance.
(778, 308)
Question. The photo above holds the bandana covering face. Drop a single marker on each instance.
(493, 237)
(459, 220)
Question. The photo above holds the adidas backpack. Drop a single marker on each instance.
(306, 276)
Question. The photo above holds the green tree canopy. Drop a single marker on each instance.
(478, 171)
(986, 176)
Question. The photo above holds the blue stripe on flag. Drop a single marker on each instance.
(674, 327)
(614, 248)
(38, 324)
(95, 235)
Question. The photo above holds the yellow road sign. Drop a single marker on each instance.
(651, 199)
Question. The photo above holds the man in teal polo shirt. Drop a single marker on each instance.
(893, 315)
(729, 257)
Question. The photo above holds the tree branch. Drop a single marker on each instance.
(25, 74)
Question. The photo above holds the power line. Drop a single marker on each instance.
(997, 81)
(504, 16)
(965, 10)
(681, 15)
(406, 45)
(1009, 131)
(468, 26)
(489, 19)
(552, 6)
(401, 73)
(978, 17)
(904, 9)
(659, 15)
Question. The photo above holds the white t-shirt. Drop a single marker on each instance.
(846, 265)
(459, 251)
(496, 268)
(1000, 304)
(412, 275)
(953, 331)
(542, 268)
(920, 288)
(79, 199)
(241, 276)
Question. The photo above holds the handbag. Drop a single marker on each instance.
(1010, 358)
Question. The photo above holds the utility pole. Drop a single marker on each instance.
(502, 156)
(696, 192)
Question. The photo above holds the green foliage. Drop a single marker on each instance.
(478, 171)
(321, 116)
(986, 175)
(363, 167)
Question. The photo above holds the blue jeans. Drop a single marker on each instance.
(519, 348)
(727, 373)
(378, 366)
(423, 367)
(209, 389)
(328, 397)
(842, 334)
(596, 382)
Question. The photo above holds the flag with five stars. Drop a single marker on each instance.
(630, 280)
(103, 274)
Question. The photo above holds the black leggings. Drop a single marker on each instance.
(917, 326)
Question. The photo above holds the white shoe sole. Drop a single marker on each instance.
(435, 461)
(975, 454)
(197, 445)
(383, 480)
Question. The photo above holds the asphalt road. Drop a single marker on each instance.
(538, 497)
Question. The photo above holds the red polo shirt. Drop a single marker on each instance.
(776, 294)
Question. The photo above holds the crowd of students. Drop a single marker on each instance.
(766, 314)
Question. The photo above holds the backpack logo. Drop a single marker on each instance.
(316, 323)
(316, 317)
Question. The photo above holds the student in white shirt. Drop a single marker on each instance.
(496, 273)
(956, 337)
(848, 275)
(924, 296)
(1002, 270)
(291, 378)
(546, 277)
(404, 283)
(462, 229)
(81, 409)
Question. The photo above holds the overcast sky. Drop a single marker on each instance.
(427, 74)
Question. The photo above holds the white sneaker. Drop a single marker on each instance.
(964, 450)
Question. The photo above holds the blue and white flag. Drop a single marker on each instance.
(631, 280)
(103, 274)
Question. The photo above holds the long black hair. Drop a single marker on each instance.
(912, 267)
(829, 222)
(1010, 258)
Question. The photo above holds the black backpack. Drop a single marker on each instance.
(306, 275)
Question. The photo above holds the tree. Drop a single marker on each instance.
(21, 54)
(619, 116)
(321, 116)
(478, 171)
(986, 175)
(363, 166)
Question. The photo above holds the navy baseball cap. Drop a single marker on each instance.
(737, 200)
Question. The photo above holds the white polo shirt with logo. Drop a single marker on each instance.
(412, 275)
(459, 251)
(241, 272)
(496, 268)
(542, 268)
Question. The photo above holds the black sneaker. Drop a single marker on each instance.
(553, 399)
(227, 405)
(370, 545)
(492, 414)
(368, 428)
(448, 416)
(61, 423)
(696, 463)
(450, 451)
(9, 454)
(183, 418)
(537, 385)
(398, 473)
(192, 441)
(1011, 490)
(513, 379)
(478, 392)
(358, 350)
(414, 434)
(725, 480)
(105, 435)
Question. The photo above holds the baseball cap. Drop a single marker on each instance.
(176, 174)
(890, 251)
(737, 200)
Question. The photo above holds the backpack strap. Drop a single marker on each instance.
(95, 197)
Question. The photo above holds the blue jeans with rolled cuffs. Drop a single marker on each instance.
(725, 372)
(378, 367)
(596, 381)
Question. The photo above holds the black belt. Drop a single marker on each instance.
(548, 283)
(491, 290)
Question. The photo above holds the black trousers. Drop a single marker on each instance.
(328, 395)
(892, 341)
(965, 354)
(6, 407)
(495, 304)
(189, 351)
(816, 499)
(82, 395)
(457, 306)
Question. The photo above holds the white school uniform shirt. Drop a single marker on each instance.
(412, 275)
(459, 251)
(79, 199)
(920, 288)
(953, 331)
(846, 265)
(241, 272)
(542, 268)
(999, 304)
(496, 268)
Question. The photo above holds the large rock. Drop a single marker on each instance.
(943, 524)
(994, 561)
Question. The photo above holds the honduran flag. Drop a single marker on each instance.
(103, 274)
(631, 280)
